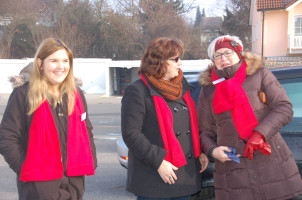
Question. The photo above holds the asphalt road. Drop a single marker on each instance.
(110, 178)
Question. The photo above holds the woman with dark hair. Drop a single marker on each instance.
(45, 133)
(241, 109)
(160, 128)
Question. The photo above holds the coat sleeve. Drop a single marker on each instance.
(207, 125)
(133, 114)
(13, 131)
(89, 129)
(280, 108)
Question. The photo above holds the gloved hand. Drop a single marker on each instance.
(254, 143)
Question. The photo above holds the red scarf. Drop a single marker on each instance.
(43, 160)
(229, 95)
(175, 154)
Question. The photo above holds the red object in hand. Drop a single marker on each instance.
(254, 143)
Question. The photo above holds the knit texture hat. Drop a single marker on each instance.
(230, 44)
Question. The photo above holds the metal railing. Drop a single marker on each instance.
(294, 43)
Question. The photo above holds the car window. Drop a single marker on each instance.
(195, 90)
(293, 89)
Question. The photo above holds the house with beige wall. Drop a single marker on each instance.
(277, 28)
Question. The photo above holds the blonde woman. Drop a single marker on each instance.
(45, 133)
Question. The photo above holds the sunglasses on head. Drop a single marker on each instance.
(175, 59)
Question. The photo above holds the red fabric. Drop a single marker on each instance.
(43, 160)
(254, 143)
(175, 154)
(229, 95)
(226, 43)
(79, 156)
(194, 123)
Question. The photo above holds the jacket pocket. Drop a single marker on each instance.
(239, 145)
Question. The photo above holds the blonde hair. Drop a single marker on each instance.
(40, 87)
(211, 48)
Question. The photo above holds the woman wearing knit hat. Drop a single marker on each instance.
(160, 127)
(241, 109)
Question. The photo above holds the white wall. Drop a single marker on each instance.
(93, 72)
(8, 68)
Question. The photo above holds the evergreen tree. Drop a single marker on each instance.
(197, 17)
(178, 5)
(203, 13)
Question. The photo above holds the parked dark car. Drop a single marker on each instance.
(291, 80)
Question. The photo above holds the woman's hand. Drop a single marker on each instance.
(219, 154)
(166, 172)
(204, 161)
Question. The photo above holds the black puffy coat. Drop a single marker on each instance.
(14, 134)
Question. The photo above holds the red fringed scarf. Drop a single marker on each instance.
(43, 160)
(229, 95)
(175, 154)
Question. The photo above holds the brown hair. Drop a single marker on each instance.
(157, 53)
(39, 86)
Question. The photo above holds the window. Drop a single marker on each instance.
(257, 30)
(295, 95)
(291, 133)
(298, 26)
(254, 33)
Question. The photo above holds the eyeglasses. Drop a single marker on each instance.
(227, 53)
(175, 59)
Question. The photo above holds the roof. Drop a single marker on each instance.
(274, 4)
(211, 23)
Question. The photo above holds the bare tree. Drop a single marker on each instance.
(160, 19)
(90, 28)
(17, 13)
(142, 20)
(75, 24)
(236, 21)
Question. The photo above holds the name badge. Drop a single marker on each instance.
(218, 81)
(83, 116)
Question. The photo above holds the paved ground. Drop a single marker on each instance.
(109, 181)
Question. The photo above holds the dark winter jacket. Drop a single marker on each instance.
(264, 177)
(141, 133)
(14, 134)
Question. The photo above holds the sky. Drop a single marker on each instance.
(213, 8)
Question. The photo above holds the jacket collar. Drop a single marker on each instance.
(253, 62)
(228, 72)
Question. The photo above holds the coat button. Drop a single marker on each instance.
(188, 132)
(190, 156)
(178, 134)
(184, 108)
(175, 109)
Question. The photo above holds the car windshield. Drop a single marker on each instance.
(293, 89)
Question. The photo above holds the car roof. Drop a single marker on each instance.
(287, 72)
(280, 73)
